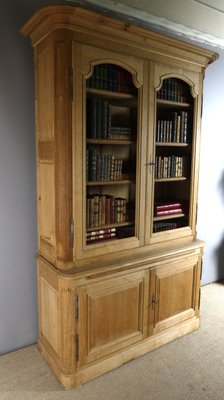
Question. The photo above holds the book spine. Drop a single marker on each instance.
(169, 212)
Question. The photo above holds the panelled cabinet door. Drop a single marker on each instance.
(174, 295)
(110, 125)
(173, 153)
(113, 314)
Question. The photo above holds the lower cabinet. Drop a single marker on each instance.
(90, 323)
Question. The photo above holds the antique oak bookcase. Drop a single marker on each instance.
(118, 113)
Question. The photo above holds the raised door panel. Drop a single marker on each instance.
(49, 314)
(46, 209)
(175, 293)
(44, 101)
(112, 315)
(109, 151)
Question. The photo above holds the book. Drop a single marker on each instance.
(165, 226)
(113, 78)
(105, 210)
(174, 89)
(102, 167)
(168, 206)
(171, 211)
(170, 167)
(102, 234)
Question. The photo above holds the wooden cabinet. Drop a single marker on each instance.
(118, 112)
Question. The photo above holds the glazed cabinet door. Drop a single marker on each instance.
(112, 315)
(175, 292)
(110, 126)
(173, 153)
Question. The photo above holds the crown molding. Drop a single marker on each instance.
(145, 19)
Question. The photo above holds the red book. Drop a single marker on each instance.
(171, 211)
(168, 206)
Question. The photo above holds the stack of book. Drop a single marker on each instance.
(102, 234)
(105, 210)
(168, 209)
(119, 132)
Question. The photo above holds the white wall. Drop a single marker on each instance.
(18, 239)
(210, 225)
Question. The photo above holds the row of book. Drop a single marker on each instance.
(98, 235)
(105, 210)
(111, 77)
(173, 130)
(100, 124)
(165, 226)
(168, 209)
(170, 167)
(102, 167)
(102, 234)
(97, 118)
(174, 89)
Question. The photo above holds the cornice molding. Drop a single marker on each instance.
(147, 20)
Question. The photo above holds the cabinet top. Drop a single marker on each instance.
(87, 23)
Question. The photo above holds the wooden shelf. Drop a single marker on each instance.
(110, 141)
(117, 225)
(111, 94)
(110, 183)
(165, 217)
(172, 144)
(182, 178)
(172, 103)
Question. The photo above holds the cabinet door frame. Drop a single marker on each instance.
(158, 72)
(191, 265)
(84, 59)
(133, 284)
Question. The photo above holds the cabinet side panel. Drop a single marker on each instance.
(46, 203)
(44, 93)
(63, 144)
(49, 314)
(45, 148)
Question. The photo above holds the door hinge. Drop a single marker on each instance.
(72, 231)
(70, 84)
(76, 307)
(77, 347)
